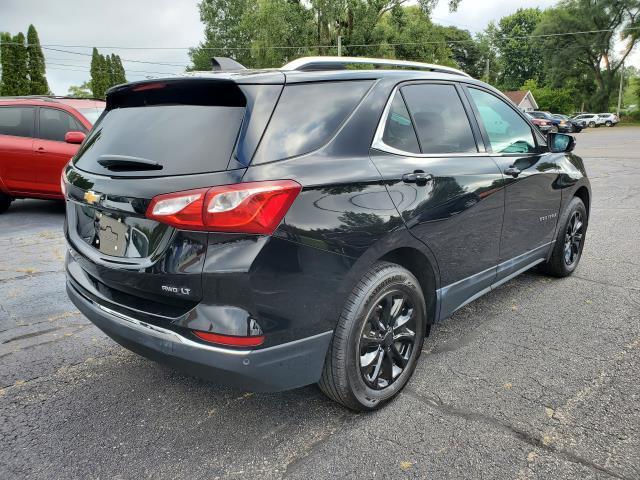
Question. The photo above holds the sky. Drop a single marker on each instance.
(168, 24)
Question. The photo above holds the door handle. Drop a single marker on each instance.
(418, 177)
(513, 171)
(41, 150)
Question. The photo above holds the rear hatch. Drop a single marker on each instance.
(156, 138)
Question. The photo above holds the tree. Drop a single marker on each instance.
(19, 66)
(15, 72)
(521, 58)
(80, 91)
(119, 75)
(37, 75)
(465, 51)
(561, 100)
(271, 32)
(592, 54)
(97, 71)
(6, 61)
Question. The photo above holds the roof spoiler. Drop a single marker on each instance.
(225, 63)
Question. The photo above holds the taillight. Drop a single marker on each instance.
(252, 207)
(230, 340)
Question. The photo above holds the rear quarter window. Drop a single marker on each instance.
(307, 116)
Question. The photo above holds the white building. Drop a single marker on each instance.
(523, 99)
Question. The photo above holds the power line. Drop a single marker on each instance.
(127, 70)
(106, 47)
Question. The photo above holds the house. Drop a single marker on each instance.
(523, 99)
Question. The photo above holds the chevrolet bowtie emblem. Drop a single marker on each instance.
(91, 197)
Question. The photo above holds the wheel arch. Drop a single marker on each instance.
(583, 194)
(419, 265)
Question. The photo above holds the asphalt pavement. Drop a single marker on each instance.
(538, 379)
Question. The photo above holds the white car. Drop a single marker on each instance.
(607, 119)
(588, 120)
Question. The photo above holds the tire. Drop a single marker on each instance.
(592, 124)
(5, 202)
(608, 123)
(360, 367)
(563, 262)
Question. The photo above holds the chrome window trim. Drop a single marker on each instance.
(379, 144)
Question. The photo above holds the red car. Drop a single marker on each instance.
(38, 136)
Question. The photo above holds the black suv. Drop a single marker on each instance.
(272, 229)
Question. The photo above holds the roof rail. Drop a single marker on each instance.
(340, 63)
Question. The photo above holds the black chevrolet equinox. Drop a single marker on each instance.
(270, 229)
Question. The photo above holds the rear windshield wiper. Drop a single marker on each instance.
(125, 163)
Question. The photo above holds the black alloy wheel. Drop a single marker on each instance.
(573, 239)
(569, 242)
(378, 339)
(387, 340)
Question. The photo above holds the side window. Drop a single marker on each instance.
(17, 121)
(306, 117)
(398, 130)
(507, 131)
(54, 124)
(441, 122)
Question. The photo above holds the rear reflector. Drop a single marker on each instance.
(229, 340)
(252, 207)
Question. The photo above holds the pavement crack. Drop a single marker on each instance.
(520, 434)
(32, 334)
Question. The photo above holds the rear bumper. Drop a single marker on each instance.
(282, 367)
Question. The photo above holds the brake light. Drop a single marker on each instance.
(252, 207)
(230, 340)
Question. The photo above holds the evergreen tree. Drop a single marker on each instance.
(19, 67)
(97, 71)
(6, 60)
(37, 74)
(119, 73)
(108, 72)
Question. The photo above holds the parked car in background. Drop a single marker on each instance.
(608, 119)
(544, 125)
(548, 117)
(275, 228)
(38, 136)
(589, 119)
(568, 125)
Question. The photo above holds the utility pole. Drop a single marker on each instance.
(339, 45)
(486, 72)
(620, 91)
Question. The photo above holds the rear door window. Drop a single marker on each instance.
(440, 119)
(307, 116)
(55, 123)
(17, 121)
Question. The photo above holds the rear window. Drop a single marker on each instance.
(17, 121)
(183, 139)
(307, 116)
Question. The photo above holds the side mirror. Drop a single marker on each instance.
(74, 137)
(559, 142)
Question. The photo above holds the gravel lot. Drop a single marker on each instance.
(538, 379)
